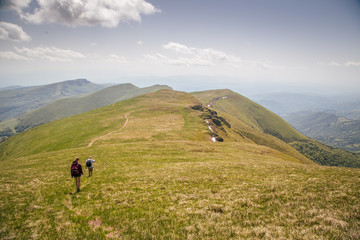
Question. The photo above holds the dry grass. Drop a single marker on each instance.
(178, 190)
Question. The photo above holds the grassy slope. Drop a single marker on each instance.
(329, 128)
(250, 113)
(72, 106)
(177, 190)
(327, 155)
(260, 138)
(161, 178)
(77, 131)
(261, 119)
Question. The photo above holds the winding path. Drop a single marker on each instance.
(126, 122)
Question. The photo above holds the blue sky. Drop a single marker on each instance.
(245, 45)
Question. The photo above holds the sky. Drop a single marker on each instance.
(190, 45)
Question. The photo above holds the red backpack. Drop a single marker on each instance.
(75, 169)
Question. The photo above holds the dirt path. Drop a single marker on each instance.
(126, 122)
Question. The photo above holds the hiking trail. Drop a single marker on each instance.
(126, 122)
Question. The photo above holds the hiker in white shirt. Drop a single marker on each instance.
(89, 165)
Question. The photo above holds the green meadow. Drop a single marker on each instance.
(161, 177)
(177, 190)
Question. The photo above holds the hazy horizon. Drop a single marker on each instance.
(245, 45)
(202, 84)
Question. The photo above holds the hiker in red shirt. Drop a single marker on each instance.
(76, 172)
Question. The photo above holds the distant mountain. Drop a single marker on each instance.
(333, 120)
(328, 128)
(11, 88)
(71, 106)
(16, 102)
(285, 104)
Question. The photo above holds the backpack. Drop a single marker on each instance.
(88, 163)
(74, 170)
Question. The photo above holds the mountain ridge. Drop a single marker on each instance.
(15, 102)
(239, 119)
(71, 106)
(178, 104)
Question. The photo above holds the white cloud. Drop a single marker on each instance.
(50, 53)
(74, 13)
(12, 56)
(195, 56)
(336, 64)
(331, 64)
(352, 64)
(194, 61)
(180, 48)
(207, 53)
(13, 32)
(139, 43)
(117, 59)
(190, 56)
(55, 54)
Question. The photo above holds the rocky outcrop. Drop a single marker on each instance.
(212, 118)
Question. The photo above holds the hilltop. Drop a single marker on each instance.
(160, 175)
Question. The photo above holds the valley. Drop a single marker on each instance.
(330, 119)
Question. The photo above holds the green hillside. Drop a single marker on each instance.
(263, 120)
(158, 175)
(249, 112)
(72, 106)
(77, 131)
(329, 128)
(327, 155)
